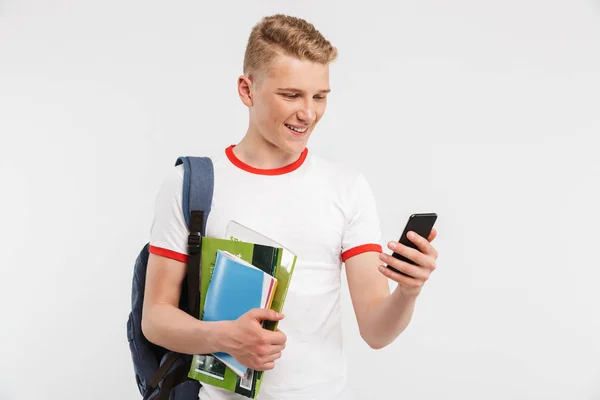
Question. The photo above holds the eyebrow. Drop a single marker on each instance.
(301, 91)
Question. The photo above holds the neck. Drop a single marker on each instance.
(258, 153)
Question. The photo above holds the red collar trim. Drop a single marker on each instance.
(276, 171)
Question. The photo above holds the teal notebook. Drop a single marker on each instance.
(235, 288)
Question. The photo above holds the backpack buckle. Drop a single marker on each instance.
(194, 242)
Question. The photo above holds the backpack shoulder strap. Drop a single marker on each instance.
(198, 187)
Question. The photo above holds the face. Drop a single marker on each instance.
(286, 102)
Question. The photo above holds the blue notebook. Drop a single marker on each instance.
(235, 288)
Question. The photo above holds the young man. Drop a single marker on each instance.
(325, 213)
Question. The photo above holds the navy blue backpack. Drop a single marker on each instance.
(161, 374)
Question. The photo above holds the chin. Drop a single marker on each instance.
(295, 146)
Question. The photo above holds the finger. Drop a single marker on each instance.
(412, 254)
(400, 279)
(277, 338)
(273, 357)
(278, 348)
(264, 314)
(266, 366)
(430, 239)
(421, 242)
(413, 271)
(432, 235)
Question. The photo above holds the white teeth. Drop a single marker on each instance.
(296, 129)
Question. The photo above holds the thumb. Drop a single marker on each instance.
(262, 314)
(432, 235)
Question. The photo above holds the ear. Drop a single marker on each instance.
(245, 90)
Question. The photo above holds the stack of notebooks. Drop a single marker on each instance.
(248, 270)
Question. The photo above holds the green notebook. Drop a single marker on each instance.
(276, 261)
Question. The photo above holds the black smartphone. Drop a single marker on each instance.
(421, 224)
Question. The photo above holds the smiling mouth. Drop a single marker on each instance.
(296, 130)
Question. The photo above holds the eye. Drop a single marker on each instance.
(290, 95)
(320, 97)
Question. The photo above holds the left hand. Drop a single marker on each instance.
(425, 258)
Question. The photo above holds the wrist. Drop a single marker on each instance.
(209, 336)
(219, 334)
(405, 295)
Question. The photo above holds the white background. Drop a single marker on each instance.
(487, 113)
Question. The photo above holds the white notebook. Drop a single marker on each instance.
(237, 231)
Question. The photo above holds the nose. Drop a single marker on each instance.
(307, 113)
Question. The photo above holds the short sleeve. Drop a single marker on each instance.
(363, 229)
(169, 231)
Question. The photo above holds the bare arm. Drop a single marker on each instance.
(381, 316)
(163, 323)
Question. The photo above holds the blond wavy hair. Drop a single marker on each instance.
(283, 34)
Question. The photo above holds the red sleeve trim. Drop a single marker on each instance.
(360, 249)
(159, 251)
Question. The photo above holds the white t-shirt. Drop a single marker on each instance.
(321, 211)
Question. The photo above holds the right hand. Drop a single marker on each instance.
(252, 345)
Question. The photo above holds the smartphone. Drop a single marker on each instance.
(421, 224)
